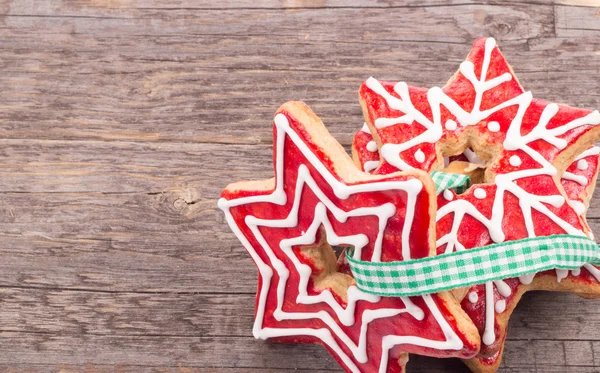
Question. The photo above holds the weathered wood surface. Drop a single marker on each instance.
(121, 121)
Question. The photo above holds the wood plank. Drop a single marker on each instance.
(579, 353)
(578, 22)
(160, 169)
(201, 352)
(75, 312)
(114, 217)
(93, 7)
(110, 265)
(182, 77)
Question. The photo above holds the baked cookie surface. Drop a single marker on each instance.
(525, 145)
(320, 198)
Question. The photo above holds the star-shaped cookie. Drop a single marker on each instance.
(578, 181)
(526, 145)
(319, 199)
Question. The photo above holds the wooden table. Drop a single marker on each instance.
(122, 120)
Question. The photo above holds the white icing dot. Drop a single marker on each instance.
(420, 156)
(479, 193)
(473, 297)
(372, 146)
(515, 161)
(527, 278)
(500, 306)
(448, 195)
(493, 126)
(450, 125)
(370, 166)
(488, 337)
(561, 274)
(582, 164)
(576, 272)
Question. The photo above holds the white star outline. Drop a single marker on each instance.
(346, 316)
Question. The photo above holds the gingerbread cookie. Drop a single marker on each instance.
(525, 144)
(578, 181)
(319, 198)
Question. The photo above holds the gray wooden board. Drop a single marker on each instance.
(121, 121)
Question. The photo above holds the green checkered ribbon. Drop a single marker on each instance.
(446, 180)
(475, 266)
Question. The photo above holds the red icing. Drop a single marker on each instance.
(472, 233)
(361, 140)
(576, 190)
(403, 324)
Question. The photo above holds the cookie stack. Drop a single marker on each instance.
(425, 264)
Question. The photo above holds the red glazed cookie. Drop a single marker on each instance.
(579, 181)
(319, 198)
(525, 143)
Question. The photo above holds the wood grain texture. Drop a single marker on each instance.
(122, 120)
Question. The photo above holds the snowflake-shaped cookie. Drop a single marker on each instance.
(525, 143)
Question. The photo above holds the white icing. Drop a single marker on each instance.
(580, 179)
(503, 288)
(500, 306)
(370, 165)
(420, 156)
(514, 141)
(493, 126)
(386, 122)
(515, 161)
(489, 335)
(594, 150)
(372, 146)
(473, 297)
(450, 125)
(321, 218)
(593, 271)
(582, 165)
(576, 272)
(578, 206)
(527, 278)
(473, 157)
(448, 195)
(479, 193)
(561, 274)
